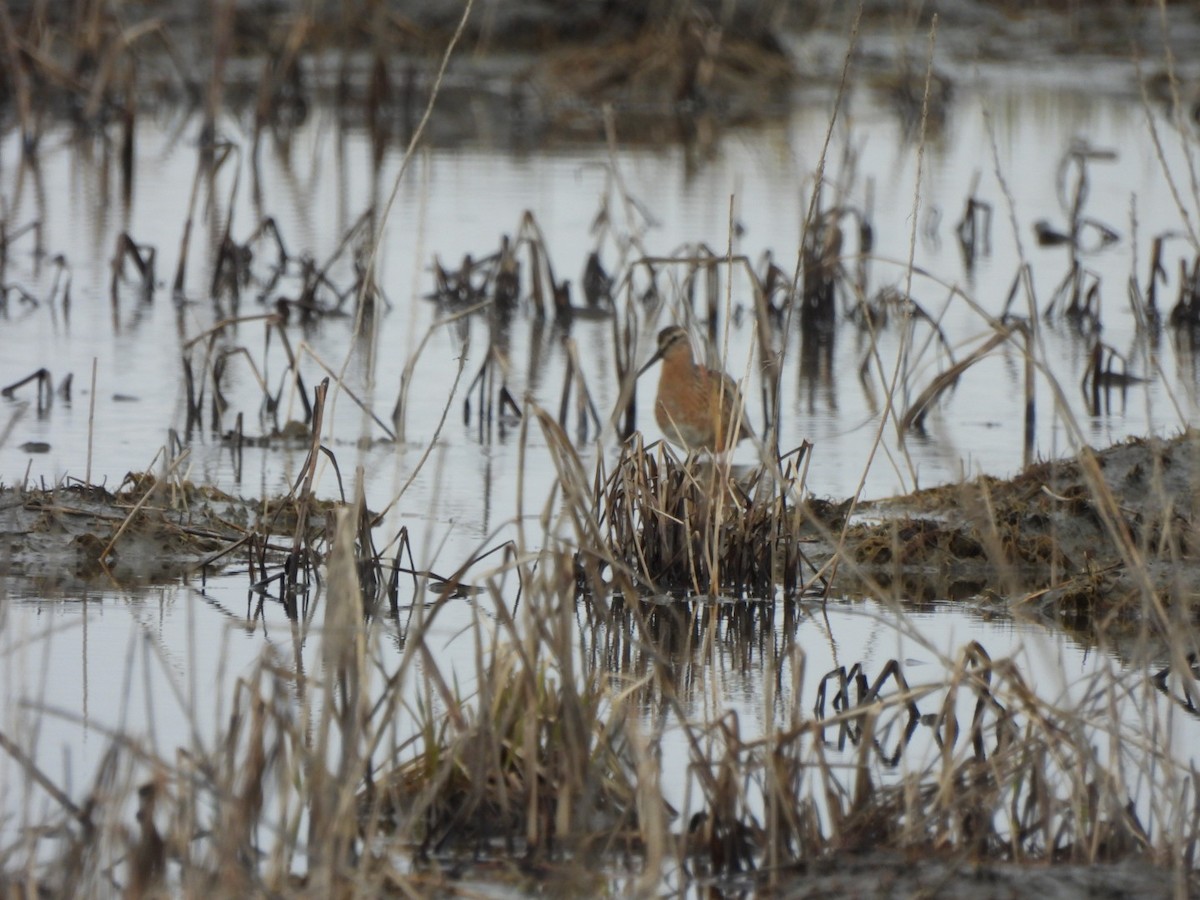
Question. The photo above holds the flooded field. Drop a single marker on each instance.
(469, 678)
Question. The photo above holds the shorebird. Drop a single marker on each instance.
(697, 408)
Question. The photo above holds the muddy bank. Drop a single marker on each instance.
(977, 29)
(146, 532)
(875, 876)
(535, 70)
(1071, 536)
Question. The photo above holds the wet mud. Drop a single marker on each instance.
(1074, 536)
(146, 532)
(875, 876)
(1068, 537)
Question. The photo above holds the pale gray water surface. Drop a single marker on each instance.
(107, 659)
(460, 200)
(162, 669)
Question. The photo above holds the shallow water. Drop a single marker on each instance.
(461, 199)
(162, 669)
(109, 659)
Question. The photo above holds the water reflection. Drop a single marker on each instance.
(817, 408)
(883, 691)
(736, 699)
(267, 250)
(678, 662)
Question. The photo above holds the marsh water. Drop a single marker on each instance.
(82, 662)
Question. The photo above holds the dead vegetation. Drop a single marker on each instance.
(543, 763)
(146, 531)
(546, 768)
(698, 529)
(370, 777)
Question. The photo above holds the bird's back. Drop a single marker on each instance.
(698, 407)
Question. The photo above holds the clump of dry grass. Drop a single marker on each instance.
(535, 765)
(685, 58)
(698, 527)
(1021, 781)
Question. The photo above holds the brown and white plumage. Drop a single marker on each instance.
(697, 408)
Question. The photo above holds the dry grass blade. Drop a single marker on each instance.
(914, 417)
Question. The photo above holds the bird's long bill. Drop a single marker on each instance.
(651, 361)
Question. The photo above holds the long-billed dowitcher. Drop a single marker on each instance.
(697, 408)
